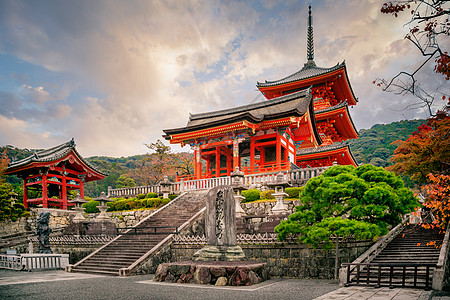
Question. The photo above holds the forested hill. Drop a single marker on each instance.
(374, 145)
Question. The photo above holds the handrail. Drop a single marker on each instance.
(443, 264)
(364, 278)
(373, 251)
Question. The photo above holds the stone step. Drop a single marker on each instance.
(96, 271)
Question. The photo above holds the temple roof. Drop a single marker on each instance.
(295, 104)
(49, 155)
(327, 148)
(308, 71)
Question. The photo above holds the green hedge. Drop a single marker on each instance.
(251, 195)
(141, 196)
(267, 195)
(91, 207)
(120, 204)
(171, 197)
(152, 195)
(293, 192)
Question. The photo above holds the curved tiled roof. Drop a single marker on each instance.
(326, 148)
(308, 71)
(51, 154)
(331, 108)
(256, 107)
(295, 104)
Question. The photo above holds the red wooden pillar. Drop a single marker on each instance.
(252, 155)
(25, 196)
(217, 161)
(208, 163)
(44, 191)
(64, 192)
(278, 152)
(198, 166)
(82, 189)
(236, 154)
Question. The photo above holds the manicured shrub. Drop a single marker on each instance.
(142, 203)
(171, 197)
(156, 202)
(141, 196)
(120, 204)
(152, 195)
(251, 195)
(165, 201)
(91, 207)
(266, 195)
(293, 192)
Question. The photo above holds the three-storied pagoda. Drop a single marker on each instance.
(49, 174)
(304, 122)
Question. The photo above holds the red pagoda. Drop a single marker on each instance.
(49, 174)
(304, 122)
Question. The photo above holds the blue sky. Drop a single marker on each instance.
(114, 74)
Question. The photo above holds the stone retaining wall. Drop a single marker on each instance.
(61, 218)
(297, 261)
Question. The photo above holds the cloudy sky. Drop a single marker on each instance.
(114, 74)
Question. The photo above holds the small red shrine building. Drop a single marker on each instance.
(49, 174)
(305, 122)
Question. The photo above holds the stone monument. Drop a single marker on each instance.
(43, 231)
(220, 227)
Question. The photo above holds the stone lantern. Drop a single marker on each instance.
(103, 206)
(165, 187)
(237, 183)
(13, 197)
(279, 186)
(78, 201)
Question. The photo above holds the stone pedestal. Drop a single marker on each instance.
(102, 215)
(220, 253)
(279, 208)
(218, 273)
(79, 216)
(239, 211)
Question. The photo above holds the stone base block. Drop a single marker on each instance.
(214, 272)
(220, 253)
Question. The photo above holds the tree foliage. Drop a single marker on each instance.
(428, 30)
(344, 200)
(374, 146)
(426, 151)
(438, 200)
(125, 181)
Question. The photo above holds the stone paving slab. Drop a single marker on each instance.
(20, 277)
(369, 293)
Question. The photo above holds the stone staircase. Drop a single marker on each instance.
(126, 252)
(409, 259)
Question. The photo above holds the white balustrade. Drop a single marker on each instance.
(251, 180)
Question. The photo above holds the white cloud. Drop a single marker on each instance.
(136, 68)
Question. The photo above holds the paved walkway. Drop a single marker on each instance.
(72, 286)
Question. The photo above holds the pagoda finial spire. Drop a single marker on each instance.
(310, 42)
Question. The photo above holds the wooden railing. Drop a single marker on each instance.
(295, 176)
(389, 274)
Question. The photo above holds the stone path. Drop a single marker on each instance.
(8, 277)
(48, 285)
(368, 293)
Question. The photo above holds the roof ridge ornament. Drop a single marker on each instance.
(310, 43)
